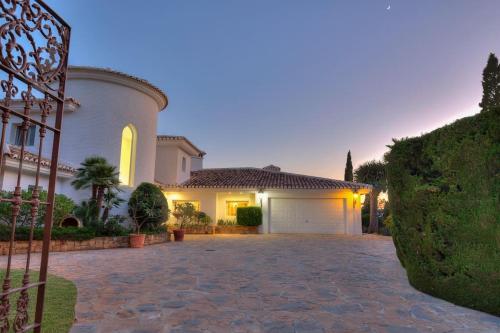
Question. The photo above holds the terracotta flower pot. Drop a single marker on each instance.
(137, 240)
(179, 235)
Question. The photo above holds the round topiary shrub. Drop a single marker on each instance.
(444, 191)
(148, 207)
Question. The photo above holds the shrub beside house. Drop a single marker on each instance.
(249, 216)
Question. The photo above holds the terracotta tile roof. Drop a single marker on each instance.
(160, 138)
(14, 152)
(262, 179)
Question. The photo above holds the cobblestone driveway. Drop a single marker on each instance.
(256, 283)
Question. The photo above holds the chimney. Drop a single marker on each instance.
(272, 168)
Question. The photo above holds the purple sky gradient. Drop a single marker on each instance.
(294, 83)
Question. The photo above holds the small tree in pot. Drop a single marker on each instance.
(185, 213)
(148, 208)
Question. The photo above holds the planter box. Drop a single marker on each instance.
(97, 243)
(236, 229)
(200, 230)
(221, 229)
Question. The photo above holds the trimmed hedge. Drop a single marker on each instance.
(249, 216)
(58, 233)
(72, 233)
(444, 192)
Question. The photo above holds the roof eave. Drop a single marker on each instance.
(319, 188)
(118, 77)
(181, 139)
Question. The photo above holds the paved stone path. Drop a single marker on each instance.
(256, 283)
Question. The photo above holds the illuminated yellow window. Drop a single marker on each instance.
(127, 155)
(232, 206)
(195, 203)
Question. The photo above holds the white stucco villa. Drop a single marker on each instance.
(114, 115)
(291, 203)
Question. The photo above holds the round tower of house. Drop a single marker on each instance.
(116, 119)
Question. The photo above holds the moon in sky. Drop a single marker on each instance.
(389, 7)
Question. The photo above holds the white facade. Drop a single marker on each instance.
(108, 103)
(176, 157)
(284, 211)
(101, 104)
(9, 176)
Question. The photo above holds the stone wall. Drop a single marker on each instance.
(97, 243)
(222, 229)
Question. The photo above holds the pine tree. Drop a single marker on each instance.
(348, 168)
(491, 84)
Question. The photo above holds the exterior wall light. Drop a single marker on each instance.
(355, 196)
(260, 196)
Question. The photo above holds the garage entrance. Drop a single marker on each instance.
(310, 215)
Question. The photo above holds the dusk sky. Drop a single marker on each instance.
(294, 83)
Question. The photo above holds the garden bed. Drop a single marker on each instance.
(97, 243)
(222, 229)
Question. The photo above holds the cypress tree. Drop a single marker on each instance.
(491, 84)
(348, 168)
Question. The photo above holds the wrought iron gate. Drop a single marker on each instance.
(34, 43)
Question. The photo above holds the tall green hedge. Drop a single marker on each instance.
(249, 216)
(444, 194)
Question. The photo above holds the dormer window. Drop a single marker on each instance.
(184, 164)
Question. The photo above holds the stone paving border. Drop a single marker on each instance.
(256, 283)
(98, 243)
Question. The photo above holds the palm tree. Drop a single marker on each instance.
(86, 212)
(372, 172)
(97, 174)
(111, 200)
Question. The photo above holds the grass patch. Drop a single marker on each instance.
(60, 299)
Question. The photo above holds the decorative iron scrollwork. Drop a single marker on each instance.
(9, 89)
(33, 54)
(5, 307)
(33, 43)
(21, 318)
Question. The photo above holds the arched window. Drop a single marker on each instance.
(183, 164)
(127, 155)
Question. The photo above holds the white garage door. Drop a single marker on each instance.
(321, 216)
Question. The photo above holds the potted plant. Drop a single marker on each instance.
(184, 213)
(147, 207)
